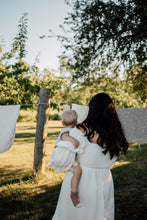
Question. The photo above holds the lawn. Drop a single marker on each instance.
(23, 197)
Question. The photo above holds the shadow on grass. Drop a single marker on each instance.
(53, 134)
(27, 137)
(9, 176)
(129, 182)
(129, 185)
(130, 192)
(38, 207)
(28, 128)
(24, 135)
(15, 209)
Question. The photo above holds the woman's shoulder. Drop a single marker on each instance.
(85, 130)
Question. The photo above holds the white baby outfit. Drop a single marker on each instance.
(63, 156)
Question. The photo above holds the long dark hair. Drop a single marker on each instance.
(103, 119)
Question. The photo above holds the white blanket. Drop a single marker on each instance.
(8, 118)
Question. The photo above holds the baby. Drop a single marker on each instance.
(63, 158)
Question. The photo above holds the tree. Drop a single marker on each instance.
(137, 78)
(102, 32)
(19, 43)
(15, 75)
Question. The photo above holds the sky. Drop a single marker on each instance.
(43, 15)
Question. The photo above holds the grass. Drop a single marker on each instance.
(129, 174)
(23, 197)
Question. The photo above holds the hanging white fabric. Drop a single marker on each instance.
(8, 118)
(133, 120)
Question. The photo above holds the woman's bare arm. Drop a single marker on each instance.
(66, 137)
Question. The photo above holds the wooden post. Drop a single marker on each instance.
(41, 131)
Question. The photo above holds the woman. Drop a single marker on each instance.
(105, 142)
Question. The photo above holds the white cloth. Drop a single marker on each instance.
(133, 120)
(95, 188)
(134, 123)
(63, 156)
(8, 118)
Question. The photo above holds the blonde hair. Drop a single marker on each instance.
(69, 117)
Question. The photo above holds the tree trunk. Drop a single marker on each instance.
(41, 131)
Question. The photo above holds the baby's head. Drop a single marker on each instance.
(69, 118)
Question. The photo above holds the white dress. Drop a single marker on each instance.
(63, 156)
(95, 188)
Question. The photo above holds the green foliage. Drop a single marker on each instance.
(103, 32)
(120, 89)
(19, 44)
(20, 82)
(102, 38)
(137, 77)
(27, 115)
(16, 86)
(54, 116)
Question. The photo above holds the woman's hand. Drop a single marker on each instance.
(66, 137)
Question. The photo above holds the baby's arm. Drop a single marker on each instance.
(66, 137)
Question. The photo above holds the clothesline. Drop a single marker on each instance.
(27, 104)
(132, 119)
(34, 104)
(54, 102)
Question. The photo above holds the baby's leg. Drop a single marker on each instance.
(77, 172)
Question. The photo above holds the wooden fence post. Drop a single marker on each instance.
(41, 131)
